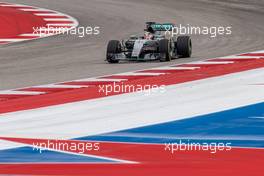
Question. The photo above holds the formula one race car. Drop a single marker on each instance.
(158, 43)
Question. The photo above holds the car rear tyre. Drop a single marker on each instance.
(165, 50)
(184, 46)
(113, 48)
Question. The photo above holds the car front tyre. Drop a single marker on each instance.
(113, 48)
(165, 50)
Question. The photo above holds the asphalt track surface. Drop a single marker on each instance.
(62, 58)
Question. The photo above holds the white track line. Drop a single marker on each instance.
(212, 62)
(35, 35)
(12, 40)
(55, 30)
(175, 68)
(57, 19)
(100, 80)
(14, 92)
(35, 10)
(261, 51)
(14, 5)
(61, 24)
(60, 86)
(139, 74)
(240, 57)
(49, 14)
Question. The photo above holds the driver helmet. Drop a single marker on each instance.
(148, 36)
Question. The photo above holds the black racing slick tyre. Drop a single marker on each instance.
(184, 46)
(113, 48)
(165, 50)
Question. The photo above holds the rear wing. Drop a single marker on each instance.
(162, 27)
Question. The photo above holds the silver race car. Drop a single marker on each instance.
(156, 44)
